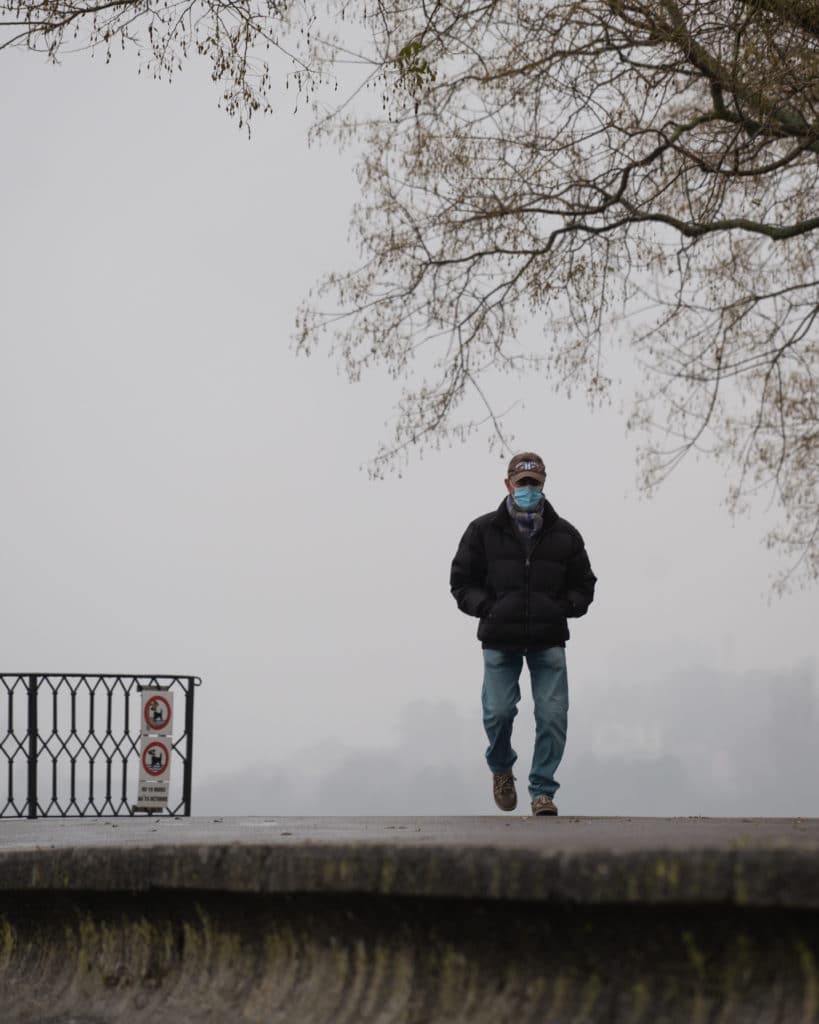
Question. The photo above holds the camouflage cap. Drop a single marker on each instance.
(526, 464)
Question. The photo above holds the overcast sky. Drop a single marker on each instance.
(184, 494)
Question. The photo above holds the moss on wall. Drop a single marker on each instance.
(307, 959)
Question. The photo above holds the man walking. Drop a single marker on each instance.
(522, 570)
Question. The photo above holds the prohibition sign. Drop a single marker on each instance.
(155, 758)
(165, 712)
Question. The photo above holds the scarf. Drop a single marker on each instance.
(529, 523)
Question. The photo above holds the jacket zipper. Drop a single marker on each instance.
(529, 553)
(526, 601)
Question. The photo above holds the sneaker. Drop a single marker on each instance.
(503, 790)
(543, 805)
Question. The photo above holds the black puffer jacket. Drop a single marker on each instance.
(522, 600)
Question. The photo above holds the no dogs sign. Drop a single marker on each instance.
(157, 709)
(156, 759)
(157, 744)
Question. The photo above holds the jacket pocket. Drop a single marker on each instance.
(544, 608)
(509, 607)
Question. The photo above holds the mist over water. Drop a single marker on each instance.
(682, 763)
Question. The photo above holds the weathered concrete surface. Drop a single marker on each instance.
(747, 862)
(410, 921)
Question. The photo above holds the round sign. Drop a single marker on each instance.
(155, 758)
(157, 712)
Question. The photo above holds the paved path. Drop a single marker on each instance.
(569, 835)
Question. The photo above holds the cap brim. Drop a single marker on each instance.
(533, 473)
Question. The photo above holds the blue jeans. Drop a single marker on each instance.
(550, 693)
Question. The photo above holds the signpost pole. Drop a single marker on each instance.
(32, 746)
(187, 776)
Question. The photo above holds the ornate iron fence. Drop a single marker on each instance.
(70, 744)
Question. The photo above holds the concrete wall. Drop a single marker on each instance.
(502, 921)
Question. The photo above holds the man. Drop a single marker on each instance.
(522, 570)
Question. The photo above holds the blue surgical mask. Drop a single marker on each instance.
(527, 497)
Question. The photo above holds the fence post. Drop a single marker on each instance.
(188, 773)
(32, 746)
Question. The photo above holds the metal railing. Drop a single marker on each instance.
(70, 743)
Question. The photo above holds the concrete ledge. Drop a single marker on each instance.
(750, 863)
(409, 921)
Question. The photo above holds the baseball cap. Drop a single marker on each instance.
(526, 464)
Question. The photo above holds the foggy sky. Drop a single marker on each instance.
(183, 494)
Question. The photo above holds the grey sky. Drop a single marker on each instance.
(183, 494)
